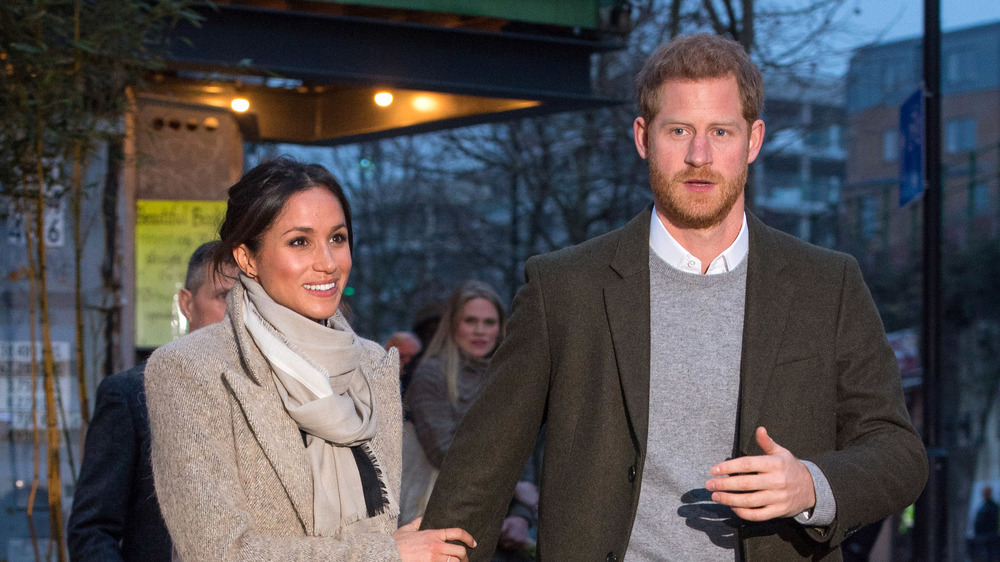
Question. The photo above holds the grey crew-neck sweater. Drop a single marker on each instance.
(696, 335)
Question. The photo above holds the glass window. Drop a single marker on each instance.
(869, 217)
(960, 66)
(980, 195)
(890, 145)
(960, 135)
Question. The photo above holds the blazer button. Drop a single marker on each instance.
(611, 557)
(631, 474)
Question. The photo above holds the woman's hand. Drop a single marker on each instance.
(431, 545)
(514, 533)
(527, 493)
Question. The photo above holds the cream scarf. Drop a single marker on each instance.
(318, 375)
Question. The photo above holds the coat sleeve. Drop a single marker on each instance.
(496, 437)
(434, 418)
(879, 465)
(198, 481)
(100, 501)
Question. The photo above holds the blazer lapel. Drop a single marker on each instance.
(626, 299)
(768, 300)
(273, 429)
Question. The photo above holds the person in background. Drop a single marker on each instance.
(115, 513)
(445, 383)
(712, 389)
(446, 380)
(276, 432)
(425, 323)
(409, 347)
(985, 528)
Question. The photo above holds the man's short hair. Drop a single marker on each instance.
(197, 270)
(698, 57)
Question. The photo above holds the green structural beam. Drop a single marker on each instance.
(568, 13)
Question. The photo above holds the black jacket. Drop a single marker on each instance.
(115, 513)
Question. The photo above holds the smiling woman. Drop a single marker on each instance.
(276, 432)
(445, 383)
(302, 261)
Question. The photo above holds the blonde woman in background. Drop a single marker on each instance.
(444, 385)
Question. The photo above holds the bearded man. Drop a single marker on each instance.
(712, 389)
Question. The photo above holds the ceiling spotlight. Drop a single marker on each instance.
(383, 98)
(424, 102)
(240, 105)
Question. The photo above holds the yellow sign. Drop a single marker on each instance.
(166, 234)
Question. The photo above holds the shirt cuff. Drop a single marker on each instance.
(825, 510)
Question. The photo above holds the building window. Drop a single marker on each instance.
(825, 138)
(960, 66)
(980, 195)
(890, 76)
(869, 218)
(960, 135)
(890, 145)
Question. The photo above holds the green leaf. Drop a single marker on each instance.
(24, 47)
(83, 46)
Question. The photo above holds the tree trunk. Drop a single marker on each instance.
(32, 334)
(48, 370)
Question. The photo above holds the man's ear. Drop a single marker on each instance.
(245, 261)
(756, 140)
(641, 134)
(184, 299)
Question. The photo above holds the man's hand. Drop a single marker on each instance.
(763, 487)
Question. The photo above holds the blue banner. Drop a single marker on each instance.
(911, 148)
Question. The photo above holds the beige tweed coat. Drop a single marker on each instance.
(229, 464)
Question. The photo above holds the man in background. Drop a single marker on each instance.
(115, 513)
(409, 347)
(984, 545)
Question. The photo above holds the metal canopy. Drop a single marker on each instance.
(310, 77)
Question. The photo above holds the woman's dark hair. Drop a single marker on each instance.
(258, 198)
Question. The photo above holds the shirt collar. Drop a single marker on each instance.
(671, 251)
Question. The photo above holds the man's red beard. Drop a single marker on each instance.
(686, 209)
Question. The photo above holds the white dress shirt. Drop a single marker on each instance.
(671, 251)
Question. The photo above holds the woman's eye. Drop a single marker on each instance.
(339, 238)
(297, 241)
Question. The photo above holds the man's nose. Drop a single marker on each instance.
(699, 151)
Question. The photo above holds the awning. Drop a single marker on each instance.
(310, 71)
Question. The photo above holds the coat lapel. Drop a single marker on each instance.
(626, 300)
(274, 430)
(768, 300)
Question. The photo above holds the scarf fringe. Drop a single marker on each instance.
(372, 480)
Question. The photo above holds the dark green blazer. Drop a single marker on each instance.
(816, 371)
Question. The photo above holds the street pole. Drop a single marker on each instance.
(931, 525)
